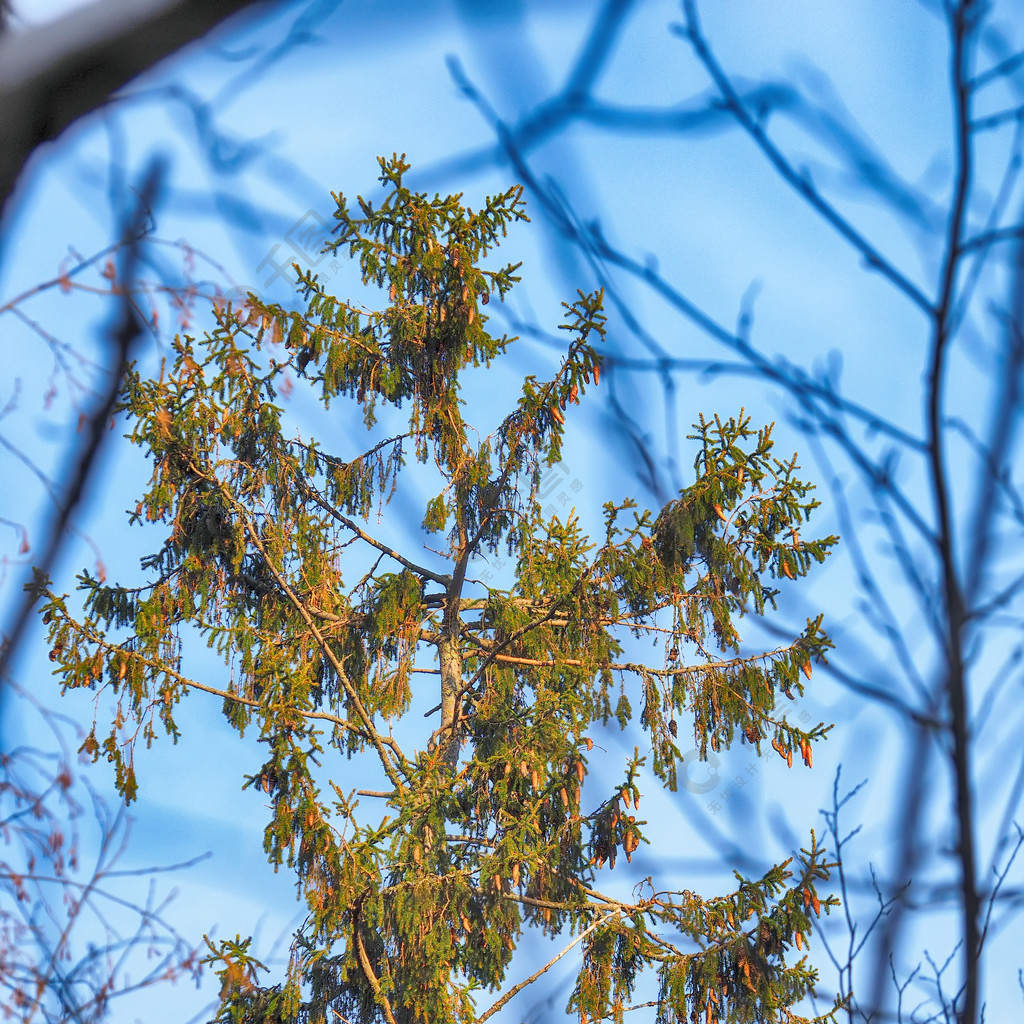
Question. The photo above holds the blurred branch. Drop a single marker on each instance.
(954, 564)
(961, 25)
(874, 259)
(52, 75)
(128, 327)
(73, 939)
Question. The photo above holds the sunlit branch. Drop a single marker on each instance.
(378, 742)
(386, 549)
(516, 989)
(228, 695)
(364, 962)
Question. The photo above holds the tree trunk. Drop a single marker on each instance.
(450, 658)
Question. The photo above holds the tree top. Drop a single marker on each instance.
(489, 819)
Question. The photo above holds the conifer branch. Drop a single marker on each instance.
(364, 962)
(379, 742)
(370, 731)
(193, 684)
(518, 634)
(386, 549)
(516, 989)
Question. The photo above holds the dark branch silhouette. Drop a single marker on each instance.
(53, 75)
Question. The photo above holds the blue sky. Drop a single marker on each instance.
(720, 223)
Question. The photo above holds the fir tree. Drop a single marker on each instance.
(419, 892)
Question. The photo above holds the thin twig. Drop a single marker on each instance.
(516, 989)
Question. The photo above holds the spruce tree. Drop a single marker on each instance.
(485, 823)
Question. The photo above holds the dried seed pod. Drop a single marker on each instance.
(471, 316)
(590, 743)
(580, 771)
(557, 414)
(807, 669)
(565, 796)
(786, 571)
(597, 374)
(739, 475)
(789, 758)
(515, 873)
(574, 394)
(721, 515)
(816, 903)
(485, 297)
(535, 779)
(807, 897)
(799, 940)
(625, 797)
